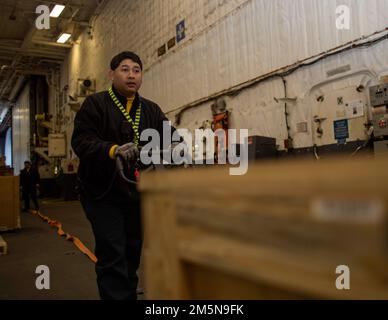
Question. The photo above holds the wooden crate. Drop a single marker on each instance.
(3, 246)
(6, 171)
(278, 232)
(9, 203)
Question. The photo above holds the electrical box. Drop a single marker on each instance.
(86, 87)
(379, 95)
(379, 102)
(56, 145)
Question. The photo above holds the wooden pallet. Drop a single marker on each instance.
(3, 246)
(278, 232)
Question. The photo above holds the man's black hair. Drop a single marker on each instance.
(125, 55)
(27, 161)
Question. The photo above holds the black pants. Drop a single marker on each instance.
(26, 198)
(118, 236)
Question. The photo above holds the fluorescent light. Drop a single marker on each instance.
(64, 37)
(56, 12)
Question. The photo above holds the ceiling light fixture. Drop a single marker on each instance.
(57, 10)
(64, 37)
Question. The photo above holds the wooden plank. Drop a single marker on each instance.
(163, 272)
(285, 225)
(3, 246)
(16, 203)
(206, 283)
(9, 203)
(269, 179)
(299, 273)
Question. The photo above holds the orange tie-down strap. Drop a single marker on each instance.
(77, 242)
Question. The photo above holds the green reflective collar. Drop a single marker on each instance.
(135, 124)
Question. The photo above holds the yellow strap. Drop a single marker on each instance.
(77, 242)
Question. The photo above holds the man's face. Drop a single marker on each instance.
(27, 165)
(127, 77)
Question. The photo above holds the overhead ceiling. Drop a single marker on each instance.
(25, 50)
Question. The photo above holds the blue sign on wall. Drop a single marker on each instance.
(341, 130)
(180, 31)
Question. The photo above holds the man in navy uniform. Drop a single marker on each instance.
(109, 125)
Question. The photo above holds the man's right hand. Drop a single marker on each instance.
(128, 152)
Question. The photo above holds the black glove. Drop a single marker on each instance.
(128, 152)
